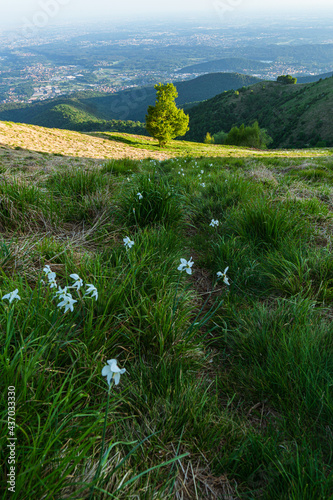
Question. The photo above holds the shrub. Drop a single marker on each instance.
(208, 139)
(251, 136)
(286, 79)
(220, 137)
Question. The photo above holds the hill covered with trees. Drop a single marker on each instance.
(294, 115)
(238, 64)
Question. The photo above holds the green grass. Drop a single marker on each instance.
(177, 148)
(228, 388)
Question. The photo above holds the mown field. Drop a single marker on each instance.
(228, 389)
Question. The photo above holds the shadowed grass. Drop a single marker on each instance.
(150, 199)
(228, 388)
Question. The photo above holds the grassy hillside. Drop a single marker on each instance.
(84, 111)
(31, 138)
(294, 115)
(69, 114)
(104, 145)
(227, 391)
(74, 117)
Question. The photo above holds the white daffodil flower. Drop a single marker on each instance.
(91, 289)
(78, 281)
(203, 185)
(201, 171)
(140, 196)
(11, 296)
(214, 223)
(62, 292)
(186, 265)
(67, 302)
(112, 371)
(47, 270)
(127, 242)
(52, 281)
(224, 276)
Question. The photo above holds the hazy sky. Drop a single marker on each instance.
(18, 11)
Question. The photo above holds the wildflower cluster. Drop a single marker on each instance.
(66, 300)
(51, 276)
(214, 223)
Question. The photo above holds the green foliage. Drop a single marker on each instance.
(208, 139)
(295, 116)
(266, 224)
(286, 79)
(74, 116)
(220, 137)
(118, 167)
(77, 183)
(150, 199)
(165, 121)
(251, 136)
(23, 207)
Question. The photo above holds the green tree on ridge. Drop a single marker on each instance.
(165, 121)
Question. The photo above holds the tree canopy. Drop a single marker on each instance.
(165, 121)
(286, 79)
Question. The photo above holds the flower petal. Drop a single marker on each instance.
(116, 378)
(109, 377)
(74, 276)
(111, 361)
(106, 370)
(115, 368)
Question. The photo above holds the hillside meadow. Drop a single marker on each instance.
(207, 273)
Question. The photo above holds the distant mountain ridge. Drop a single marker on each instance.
(237, 64)
(313, 78)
